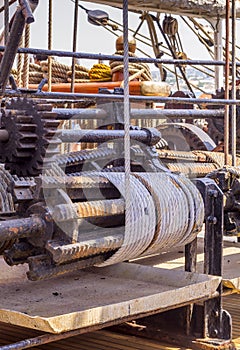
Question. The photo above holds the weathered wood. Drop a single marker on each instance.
(198, 8)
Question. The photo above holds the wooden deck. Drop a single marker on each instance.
(105, 340)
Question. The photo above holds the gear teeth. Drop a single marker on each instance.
(32, 127)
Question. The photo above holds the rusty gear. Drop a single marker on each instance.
(31, 126)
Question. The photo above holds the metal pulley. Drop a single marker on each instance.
(97, 17)
(170, 25)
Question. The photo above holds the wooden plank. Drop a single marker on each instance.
(114, 341)
(98, 296)
(196, 8)
(174, 260)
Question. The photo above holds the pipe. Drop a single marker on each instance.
(83, 113)
(11, 48)
(226, 95)
(75, 29)
(148, 136)
(6, 20)
(89, 96)
(104, 57)
(233, 92)
(79, 113)
(19, 228)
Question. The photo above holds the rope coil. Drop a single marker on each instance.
(166, 211)
(136, 70)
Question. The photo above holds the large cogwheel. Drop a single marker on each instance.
(31, 126)
(186, 137)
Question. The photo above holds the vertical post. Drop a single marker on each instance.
(190, 266)
(226, 114)
(49, 45)
(126, 109)
(213, 246)
(233, 91)
(6, 21)
(75, 28)
(217, 322)
(218, 54)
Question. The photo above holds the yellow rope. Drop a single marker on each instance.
(100, 72)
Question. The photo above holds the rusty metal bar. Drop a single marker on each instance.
(63, 212)
(85, 55)
(176, 113)
(10, 3)
(26, 11)
(227, 66)
(148, 136)
(75, 28)
(98, 243)
(83, 113)
(18, 228)
(41, 268)
(76, 96)
(11, 48)
(50, 8)
(79, 113)
(6, 20)
(233, 90)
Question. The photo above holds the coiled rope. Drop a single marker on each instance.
(141, 230)
(136, 70)
(6, 200)
(100, 72)
(166, 211)
(81, 74)
(179, 207)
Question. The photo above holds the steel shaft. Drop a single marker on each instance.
(19, 228)
(147, 136)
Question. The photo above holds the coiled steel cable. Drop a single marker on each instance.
(142, 219)
(173, 195)
(6, 200)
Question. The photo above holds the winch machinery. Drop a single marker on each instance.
(62, 189)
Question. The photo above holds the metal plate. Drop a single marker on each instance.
(97, 296)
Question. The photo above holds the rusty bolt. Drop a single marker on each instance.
(212, 219)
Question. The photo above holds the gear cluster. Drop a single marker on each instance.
(31, 127)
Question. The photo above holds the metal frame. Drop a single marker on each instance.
(216, 322)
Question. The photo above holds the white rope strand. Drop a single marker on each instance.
(126, 120)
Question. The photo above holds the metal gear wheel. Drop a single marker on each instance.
(186, 137)
(31, 126)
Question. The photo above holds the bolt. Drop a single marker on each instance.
(212, 219)
(213, 193)
(48, 217)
